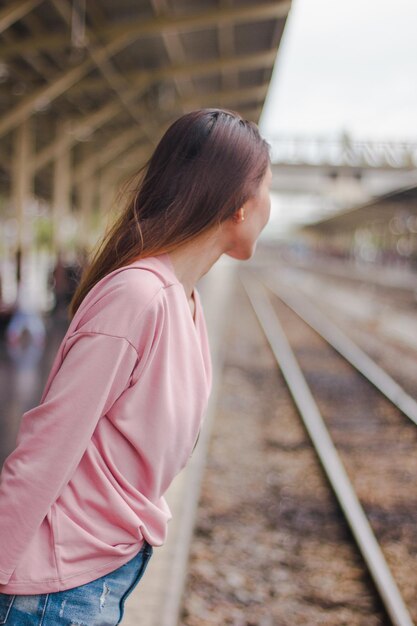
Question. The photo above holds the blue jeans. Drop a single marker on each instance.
(98, 603)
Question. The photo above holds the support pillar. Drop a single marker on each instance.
(86, 198)
(22, 189)
(61, 194)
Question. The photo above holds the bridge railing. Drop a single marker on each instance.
(343, 151)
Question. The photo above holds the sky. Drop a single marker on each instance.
(343, 66)
(346, 65)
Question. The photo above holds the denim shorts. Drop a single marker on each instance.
(98, 603)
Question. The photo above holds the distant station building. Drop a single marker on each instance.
(382, 231)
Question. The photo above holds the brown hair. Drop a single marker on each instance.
(206, 166)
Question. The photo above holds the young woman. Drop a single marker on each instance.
(81, 497)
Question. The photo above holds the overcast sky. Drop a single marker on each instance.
(346, 65)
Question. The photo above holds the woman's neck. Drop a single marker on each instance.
(193, 259)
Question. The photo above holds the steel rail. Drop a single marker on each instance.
(348, 349)
(328, 455)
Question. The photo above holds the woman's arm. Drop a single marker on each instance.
(54, 436)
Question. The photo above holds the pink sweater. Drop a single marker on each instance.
(118, 419)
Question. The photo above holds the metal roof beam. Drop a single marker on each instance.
(226, 43)
(117, 82)
(49, 92)
(202, 19)
(40, 63)
(14, 11)
(142, 27)
(87, 125)
(230, 96)
(107, 153)
(79, 130)
(175, 50)
(43, 96)
(265, 58)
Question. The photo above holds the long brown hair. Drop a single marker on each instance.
(206, 166)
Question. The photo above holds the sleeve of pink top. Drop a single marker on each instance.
(54, 435)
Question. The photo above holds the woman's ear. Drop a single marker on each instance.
(239, 216)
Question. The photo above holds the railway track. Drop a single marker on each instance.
(365, 444)
(383, 311)
(382, 282)
(349, 350)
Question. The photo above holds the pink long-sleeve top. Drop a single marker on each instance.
(117, 420)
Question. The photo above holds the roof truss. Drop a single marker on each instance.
(124, 81)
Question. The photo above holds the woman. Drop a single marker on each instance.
(82, 495)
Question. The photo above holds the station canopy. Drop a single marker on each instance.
(378, 212)
(101, 80)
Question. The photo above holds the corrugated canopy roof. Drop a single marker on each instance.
(104, 79)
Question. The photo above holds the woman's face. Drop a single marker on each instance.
(256, 213)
